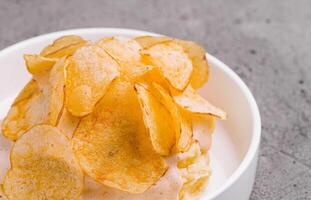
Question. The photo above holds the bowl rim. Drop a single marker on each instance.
(256, 132)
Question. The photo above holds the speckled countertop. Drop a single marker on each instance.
(268, 43)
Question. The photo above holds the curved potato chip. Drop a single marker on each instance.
(43, 167)
(148, 41)
(195, 52)
(192, 189)
(166, 188)
(121, 49)
(190, 100)
(38, 103)
(173, 62)
(37, 64)
(158, 120)
(89, 74)
(67, 123)
(63, 46)
(154, 76)
(113, 146)
(28, 90)
(126, 52)
(194, 170)
(2, 195)
(182, 123)
(197, 55)
(186, 132)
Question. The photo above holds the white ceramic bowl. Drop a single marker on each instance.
(236, 141)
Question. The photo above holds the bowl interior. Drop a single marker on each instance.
(232, 138)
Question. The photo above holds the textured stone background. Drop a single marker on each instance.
(268, 43)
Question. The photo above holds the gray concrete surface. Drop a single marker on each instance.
(268, 43)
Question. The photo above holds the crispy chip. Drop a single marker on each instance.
(199, 62)
(194, 169)
(29, 89)
(2, 195)
(185, 138)
(148, 41)
(112, 143)
(38, 103)
(190, 100)
(192, 189)
(89, 74)
(173, 62)
(36, 64)
(154, 76)
(121, 49)
(126, 52)
(63, 46)
(43, 166)
(158, 120)
(195, 52)
(67, 123)
(182, 123)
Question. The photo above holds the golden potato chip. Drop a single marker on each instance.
(89, 74)
(67, 123)
(154, 76)
(194, 170)
(63, 46)
(126, 52)
(37, 64)
(158, 120)
(197, 55)
(113, 145)
(38, 103)
(185, 137)
(195, 52)
(148, 41)
(2, 195)
(29, 89)
(121, 49)
(193, 188)
(173, 62)
(190, 100)
(181, 120)
(43, 166)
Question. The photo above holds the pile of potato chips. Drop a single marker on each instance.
(112, 110)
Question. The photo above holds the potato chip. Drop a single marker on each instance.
(113, 145)
(67, 123)
(181, 120)
(2, 195)
(158, 120)
(203, 127)
(197, 55)
(193, 188)
(36, 64)
(121, 49)
(173, 62)
(194, 170)
(190, 100)
(28, 90)
(43, 166)
(38, 103)
(154, 76)
(195, 52)
(186, 132)
(148, 41)
(63, 46)
(89, 74)
(126, 52)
